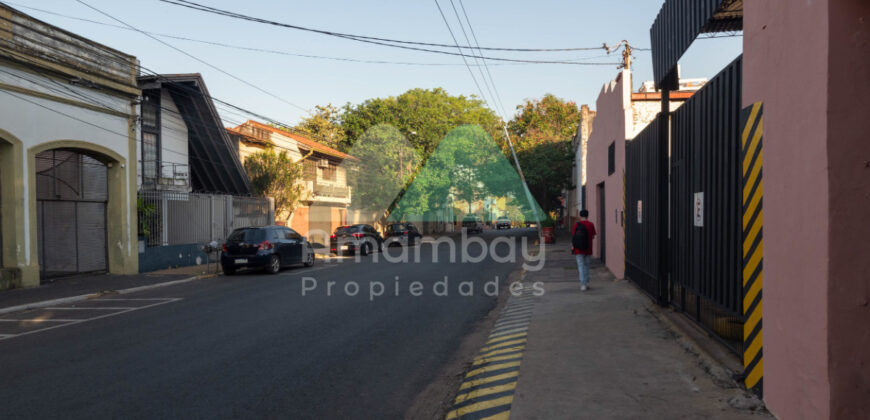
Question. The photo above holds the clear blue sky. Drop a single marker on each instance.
(308, 82)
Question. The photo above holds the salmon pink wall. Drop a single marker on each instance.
(809, 62)
(848, 150)
(613, 121)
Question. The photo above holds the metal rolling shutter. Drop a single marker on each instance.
(72, 193)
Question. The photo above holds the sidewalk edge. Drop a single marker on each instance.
(79, 298)
(718, 370)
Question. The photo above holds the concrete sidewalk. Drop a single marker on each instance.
(604, 354)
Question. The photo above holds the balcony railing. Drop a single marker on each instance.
(334, 191)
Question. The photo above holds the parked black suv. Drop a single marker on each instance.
(268, 247)
(399, 234)
(362, 238)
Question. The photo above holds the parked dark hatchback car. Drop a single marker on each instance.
(399, 234)
(269, 248)
(353, 238)
(472, 223)
(503, 222)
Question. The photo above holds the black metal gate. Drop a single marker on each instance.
(704, 209)
(641, 209)
(71, 193)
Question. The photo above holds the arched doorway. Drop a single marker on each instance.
(71, 209)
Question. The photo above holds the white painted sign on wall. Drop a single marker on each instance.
(699, 209)
(639, 211)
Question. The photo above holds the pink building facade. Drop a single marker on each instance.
(603, 176)
(620, 116)
(809, 63)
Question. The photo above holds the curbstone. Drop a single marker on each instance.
(79, 298)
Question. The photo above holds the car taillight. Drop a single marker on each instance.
(332, 237)
(358, 235)
(265, 245)
(224, 247)
(405, 233)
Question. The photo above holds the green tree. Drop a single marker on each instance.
(276, 175)
(545, 120)
(547, 168)
(423, 116)
(387, 161)
(542, 133)
(468, 165)
(324, 127)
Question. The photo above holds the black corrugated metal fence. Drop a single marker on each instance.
(704, 205)
(641, 209)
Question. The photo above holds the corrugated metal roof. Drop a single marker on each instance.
(679, 23)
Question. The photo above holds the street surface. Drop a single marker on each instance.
(251, 345)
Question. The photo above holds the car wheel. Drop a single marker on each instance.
(310, 260)
(229, 271)
(365, 249)
(274, 265)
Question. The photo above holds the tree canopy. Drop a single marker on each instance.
(276, 175)
(423, 116)
(542, 133)
(324, 126)
(387, 161)
(545, 120)
(467, 165)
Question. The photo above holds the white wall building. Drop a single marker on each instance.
(67, 154)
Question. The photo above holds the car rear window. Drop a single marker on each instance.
(251, 235)
(348, 229)
(397, 227)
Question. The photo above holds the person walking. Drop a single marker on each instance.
(581, 246)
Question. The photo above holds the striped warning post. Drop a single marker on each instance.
(487, 391)
(752, 119)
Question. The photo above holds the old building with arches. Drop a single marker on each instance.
(68, 110)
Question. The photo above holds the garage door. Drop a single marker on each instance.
(71, 193)
(319, 224)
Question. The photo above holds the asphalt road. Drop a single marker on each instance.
(252, 346)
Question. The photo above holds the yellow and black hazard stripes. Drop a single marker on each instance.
(487, 390)
(753, 244)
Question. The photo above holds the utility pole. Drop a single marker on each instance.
(626, 53)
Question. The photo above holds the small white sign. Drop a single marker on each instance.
(699, 209)
(639, 211)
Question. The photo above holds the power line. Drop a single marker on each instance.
(274, 51)
(195, 57)
(227, 107)
(485, 65)
(464, 60)
(116, 57)
(378, 41)
(67, 90)
(468, 41)
(504, 120)
(214, 10)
